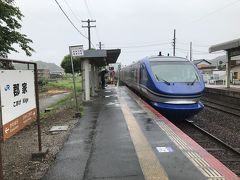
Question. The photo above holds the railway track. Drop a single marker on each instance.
(228, 155)
(227, 108)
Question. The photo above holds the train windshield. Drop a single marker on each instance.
(169, 72)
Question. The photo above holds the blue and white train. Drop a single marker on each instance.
(172, 85)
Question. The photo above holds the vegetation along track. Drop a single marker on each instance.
(229, 156)
(224, 107)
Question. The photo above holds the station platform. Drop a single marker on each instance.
(233, 91)
(122, 137)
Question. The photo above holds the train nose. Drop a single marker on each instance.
(180, 111)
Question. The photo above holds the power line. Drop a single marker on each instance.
(140, 46)
(197, 51)
(75, 16)
(97, 34)
(142, 43)
(198, 45)
(72, 11)
(204, 53)
(70, 20)
(88, 10)
(208, 14)
(89, 33)
(152, 50)
(219, 9)
(90, 15)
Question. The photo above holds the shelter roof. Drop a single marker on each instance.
(225, 46)
(102, 57)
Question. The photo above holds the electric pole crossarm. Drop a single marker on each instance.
(89, 20)
(88, 26)
(89, 33)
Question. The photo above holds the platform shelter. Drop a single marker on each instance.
(91, 62)
(233, 52)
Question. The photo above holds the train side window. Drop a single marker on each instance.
(143, 74)
(135, 74)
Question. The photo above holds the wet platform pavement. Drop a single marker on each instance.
(118, 137)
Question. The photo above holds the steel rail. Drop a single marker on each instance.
(221, 109)
(236, 107)
(214, 137)
(233, 150)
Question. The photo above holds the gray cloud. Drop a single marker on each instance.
(124, 23)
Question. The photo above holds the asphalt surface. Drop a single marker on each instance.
(117, 139)
(99, 147)
(47, 101)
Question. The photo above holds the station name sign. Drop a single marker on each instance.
(76, 51)
(18, 104)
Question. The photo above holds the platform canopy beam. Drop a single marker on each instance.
(232, 49)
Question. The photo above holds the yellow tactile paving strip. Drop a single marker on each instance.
(150, 165)
(194, 157)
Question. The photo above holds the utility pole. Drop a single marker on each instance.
(1, 164)
(174, 42)
(89, 33)
(190, 51)
(100, 45)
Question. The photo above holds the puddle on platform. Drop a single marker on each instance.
(113, 104)
(138, 112)
(110, 96)
(148, 124)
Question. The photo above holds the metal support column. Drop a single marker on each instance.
(228, 68)
(74, 86)
(97, 78)
(37, 107)
(1, 139)
(93, 80)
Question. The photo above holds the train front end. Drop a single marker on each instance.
(176, 87)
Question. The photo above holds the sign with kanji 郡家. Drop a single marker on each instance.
(18, 104)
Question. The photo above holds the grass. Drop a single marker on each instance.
(68, 102)
(66, 84)
(63, 102)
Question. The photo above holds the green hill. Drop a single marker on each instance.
(42, 65)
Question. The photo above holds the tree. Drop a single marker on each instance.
(67, 66)
(10, 15)
(220, 65)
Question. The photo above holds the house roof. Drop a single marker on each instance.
(198, 61)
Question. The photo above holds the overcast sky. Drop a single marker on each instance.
(139, 27)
